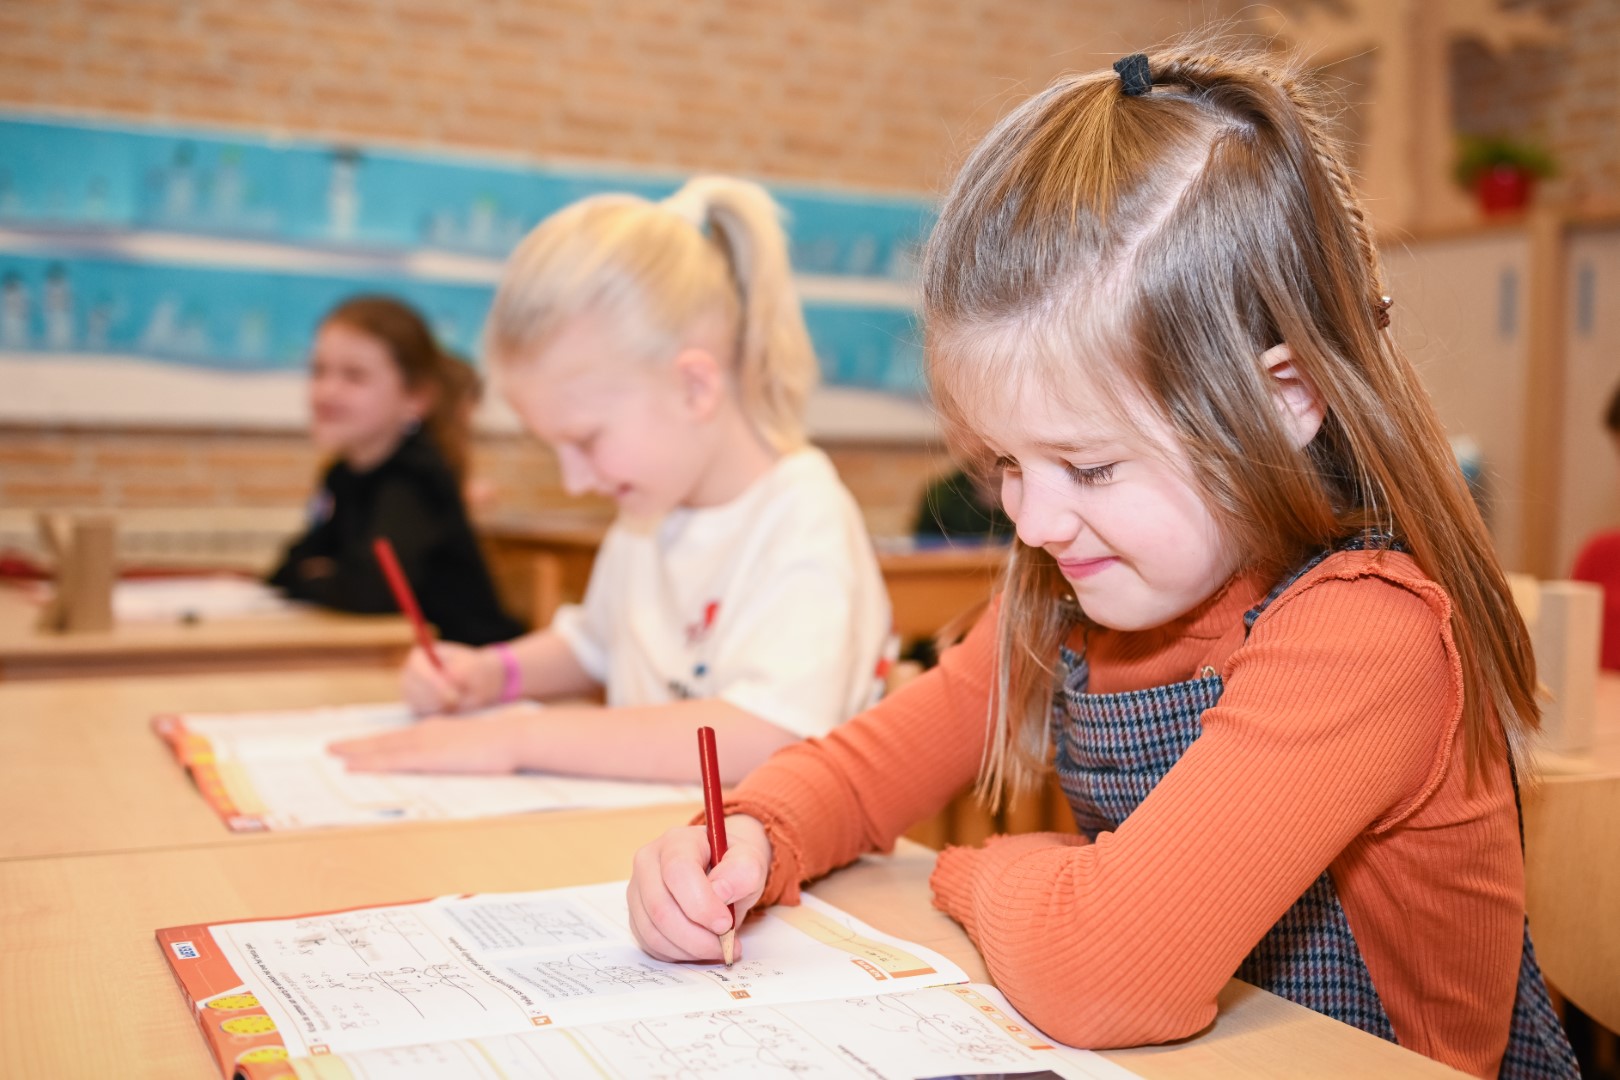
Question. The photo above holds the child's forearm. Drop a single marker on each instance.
(646, 742)
(548, 668)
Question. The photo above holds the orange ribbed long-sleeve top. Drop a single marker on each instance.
(1336, 744)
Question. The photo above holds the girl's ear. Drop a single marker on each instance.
(1298, 404)
(701, 382)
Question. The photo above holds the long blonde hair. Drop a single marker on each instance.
(1167, 239)
(654, 271)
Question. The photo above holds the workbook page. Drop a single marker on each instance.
(954, 1031)
(284, 734)
(469, 967)
(271, 770)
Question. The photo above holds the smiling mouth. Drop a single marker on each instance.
(1082, 568)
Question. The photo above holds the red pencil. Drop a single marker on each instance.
(404, 597)
(714, 813)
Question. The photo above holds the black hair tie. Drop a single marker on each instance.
(1134, 77)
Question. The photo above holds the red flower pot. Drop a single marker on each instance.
(1503, 189)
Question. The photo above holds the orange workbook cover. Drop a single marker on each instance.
(196, 752)
(239, 1031)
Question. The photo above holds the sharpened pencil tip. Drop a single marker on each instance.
(728, 947)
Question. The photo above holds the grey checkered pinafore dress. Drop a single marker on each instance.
(1112, 749)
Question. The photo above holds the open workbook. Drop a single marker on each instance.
(547, 985)
(271, 770)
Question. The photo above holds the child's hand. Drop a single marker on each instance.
(678, 909)
(471, 679)
(437, 745)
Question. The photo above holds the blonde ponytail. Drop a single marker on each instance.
(776, 364)
(715, 248)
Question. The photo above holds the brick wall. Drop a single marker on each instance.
(869, 92)
(885, 93)
(60, 468)
(1567, 97)
(880, 94)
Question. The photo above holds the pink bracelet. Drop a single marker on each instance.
(512, 675)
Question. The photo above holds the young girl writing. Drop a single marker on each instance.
(390, 407)
(661, 351)
(1252, 610)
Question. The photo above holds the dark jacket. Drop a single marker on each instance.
(415, 501)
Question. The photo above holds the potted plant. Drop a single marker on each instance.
(1501, 171)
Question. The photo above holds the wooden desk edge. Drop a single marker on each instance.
(1254, 1034)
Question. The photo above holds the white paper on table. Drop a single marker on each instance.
(538, 983)
(183, 599)
(295, 783)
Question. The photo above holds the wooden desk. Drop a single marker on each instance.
(1603, 757)
(539, 564)
(1572, 865)
(81, 771)
(929, 588)
(310, 638)
(87, 991)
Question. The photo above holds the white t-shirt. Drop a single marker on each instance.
(772, 602)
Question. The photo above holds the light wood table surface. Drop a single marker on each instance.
(302, 639)
(540, 563)
(81, 770)
(1572, 865)
(87, 991)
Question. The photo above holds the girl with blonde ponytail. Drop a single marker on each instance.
(1253, 620)
(659, 348)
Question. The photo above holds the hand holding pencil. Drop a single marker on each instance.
(686, 901)
(438, 677)
(464, 680)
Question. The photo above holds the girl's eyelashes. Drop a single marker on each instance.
(1084, 475)
(1097, 474)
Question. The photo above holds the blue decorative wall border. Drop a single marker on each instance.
(221, 251)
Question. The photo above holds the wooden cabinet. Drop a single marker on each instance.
(1589, 460)
(1460, 314)
(1515, 331)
